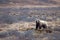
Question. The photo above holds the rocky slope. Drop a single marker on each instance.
(30, 2)
(15, 23)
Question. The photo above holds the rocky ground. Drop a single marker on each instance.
(19, 23)
(25, 31)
